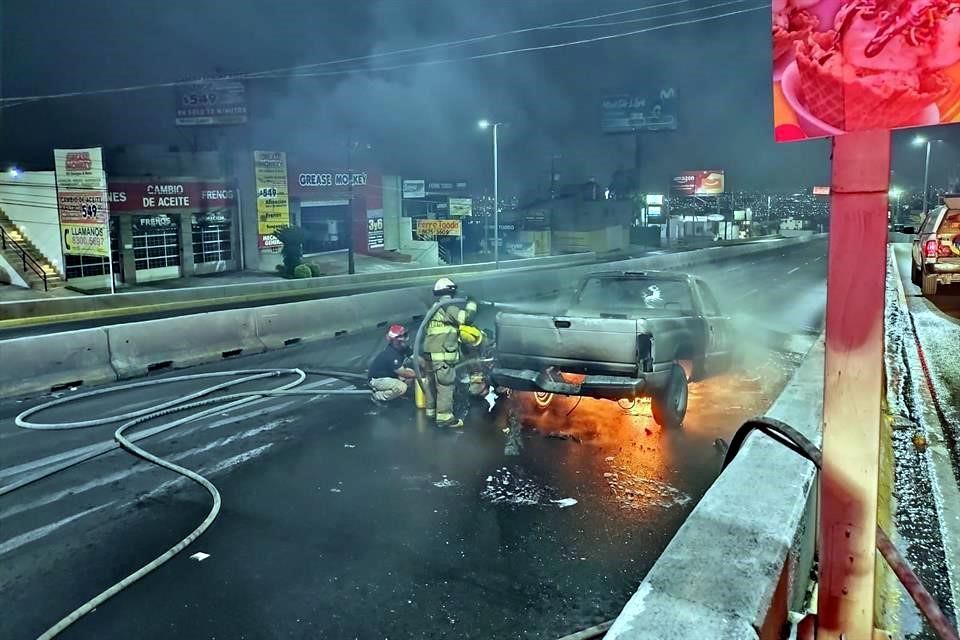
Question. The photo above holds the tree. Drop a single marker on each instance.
(292, 239)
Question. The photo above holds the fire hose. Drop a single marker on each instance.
(195, 400)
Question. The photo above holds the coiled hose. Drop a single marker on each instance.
(193, 400)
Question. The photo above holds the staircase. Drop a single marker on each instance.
(25, 258)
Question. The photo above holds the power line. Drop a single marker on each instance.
(545, 47)
(17, 100)
(657, 17)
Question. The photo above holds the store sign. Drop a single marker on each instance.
(414, 188)
(821, 191)
(273, 202)
(699, 183)
(655, 199)
(82, 202)
(158, 222)
(461, 207)
(444, 187)
(375, 229)
(329, 179)
(211, 219)
(223, 102)
(438, 227)
(654, 213)
(173, 194)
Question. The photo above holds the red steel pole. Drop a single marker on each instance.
(853, 385)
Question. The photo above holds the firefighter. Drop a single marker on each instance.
(389, 374)
(448, 330)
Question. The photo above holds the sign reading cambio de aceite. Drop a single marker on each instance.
(857, 65)
(82, 204)
(698, 183)
(170, 194)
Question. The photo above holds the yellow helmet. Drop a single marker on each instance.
(470, 335)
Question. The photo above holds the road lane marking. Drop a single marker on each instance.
(138, 468)
(794, 270)
(25, 538)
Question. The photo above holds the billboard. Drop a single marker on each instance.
(443, 187)
(854, 65)
(438, 227)
(273, 202)
(655, 199)
(414, 188)
(82, 202)
(698, 183)
(821, 191)
(628, 113)
(221, 102)
(460, 207)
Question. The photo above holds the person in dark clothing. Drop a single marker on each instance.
(390, 376)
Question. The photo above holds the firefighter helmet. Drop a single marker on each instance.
(444, 287)
(396, 332)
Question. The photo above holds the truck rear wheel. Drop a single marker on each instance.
(670, 406)
(915, 274)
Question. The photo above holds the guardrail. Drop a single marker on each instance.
(743, 558)
(205, 297)
(92, 356)
(29, 262)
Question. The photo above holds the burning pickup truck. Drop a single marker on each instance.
(624, 335)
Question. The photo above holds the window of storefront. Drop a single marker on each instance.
(324, 226)
(156, 241)
(211, 237)
(86, 266)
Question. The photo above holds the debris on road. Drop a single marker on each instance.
(563, 503)
(200, 556)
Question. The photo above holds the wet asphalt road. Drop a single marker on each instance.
(342, 520)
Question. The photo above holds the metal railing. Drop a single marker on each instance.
(29, 262)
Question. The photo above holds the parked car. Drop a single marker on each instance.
(936, 248)
(625, 335)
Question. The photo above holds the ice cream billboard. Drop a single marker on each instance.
(698, 183)
(855, 65)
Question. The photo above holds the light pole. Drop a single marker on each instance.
(921, 140)
(486, 124)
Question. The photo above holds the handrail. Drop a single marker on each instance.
(29, 262)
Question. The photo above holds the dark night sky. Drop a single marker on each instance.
(421, 121)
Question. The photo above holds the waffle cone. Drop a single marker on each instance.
(842, 97)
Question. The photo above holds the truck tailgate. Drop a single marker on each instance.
(588, 345)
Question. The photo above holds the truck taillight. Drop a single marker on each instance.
(931, 248)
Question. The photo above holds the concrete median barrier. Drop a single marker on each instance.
(742, 559)
(139, 348)
(43, 363)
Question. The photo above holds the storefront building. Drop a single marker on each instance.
(166, 228)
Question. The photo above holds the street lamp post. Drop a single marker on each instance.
(926, 167)
(486, 124)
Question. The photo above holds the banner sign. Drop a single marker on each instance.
(414, 188)
(223, 102)
(170, 194)
(82, 202)
(854, 65)
(375, 238)
(442, 187)
(698, 183)
(273, 203)
(461, 207)
(438, 227)
(630, 113)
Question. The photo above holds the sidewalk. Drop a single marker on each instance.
(923, 399)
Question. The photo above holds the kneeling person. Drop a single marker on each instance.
(390, 377)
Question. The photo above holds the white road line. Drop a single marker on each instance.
(25, 538)
(794, 270)
(138, 468)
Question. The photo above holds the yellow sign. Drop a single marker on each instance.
(460, 207)
(438, 227)
(273, 203)
(85, 239)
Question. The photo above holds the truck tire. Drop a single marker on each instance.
(915, 275)
(929, 286)
(670, 406)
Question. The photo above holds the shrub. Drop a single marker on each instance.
(292, 239)
(314, 269)
(301, 271)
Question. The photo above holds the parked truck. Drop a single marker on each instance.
(624, 335)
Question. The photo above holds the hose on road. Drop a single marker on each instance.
(130, 419)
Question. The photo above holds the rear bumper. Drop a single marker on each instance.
(606, 387)
(946, 272)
